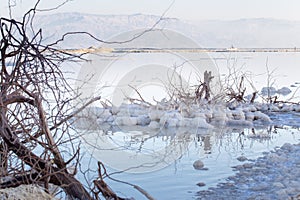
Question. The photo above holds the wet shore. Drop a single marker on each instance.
(275, 175)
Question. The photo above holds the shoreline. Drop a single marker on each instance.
(275, 175)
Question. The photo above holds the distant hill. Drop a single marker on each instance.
(208, 33)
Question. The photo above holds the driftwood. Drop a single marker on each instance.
(238, 95)
(204, 87)
(254, 94)
(101, 187)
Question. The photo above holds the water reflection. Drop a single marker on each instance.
(167, 155)
(138, 149)
(141, 149)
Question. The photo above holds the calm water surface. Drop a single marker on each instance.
(173, 176)
(161, 161)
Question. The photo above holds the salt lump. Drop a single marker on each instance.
(196, 116)
(143, 120)
(242, 158)
(25, 192)
(171, 119)
(198, 164)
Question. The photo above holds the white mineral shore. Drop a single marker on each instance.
(193, 116)
(25, 192)
(274, 176)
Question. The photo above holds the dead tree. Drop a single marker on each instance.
(204, 87)
(35, 111)
(239, 94)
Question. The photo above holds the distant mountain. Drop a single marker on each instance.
(208, 33)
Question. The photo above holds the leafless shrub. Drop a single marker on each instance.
(36, 137)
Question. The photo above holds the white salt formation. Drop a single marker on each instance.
(193, 113)
(25, 192)
(198, 164)
(195, 116)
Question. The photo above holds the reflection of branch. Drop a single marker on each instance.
(141, 190)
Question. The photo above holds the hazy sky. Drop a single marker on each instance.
(184, 9)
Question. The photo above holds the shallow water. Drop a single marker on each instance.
(161, 161)
(169, 154)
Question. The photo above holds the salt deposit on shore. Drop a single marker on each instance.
(25, 192)
(195, 116)
(276, 175)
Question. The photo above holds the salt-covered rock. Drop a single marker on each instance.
(125, 121)
(171, 119)
(132, 110)
(261, 116)
(155, 115)
(154, 125)
(263, 107)
(273, 107)
(296, 108)
(287, 147)
(137, 110)
(143, 120)
(248, 165)
(282, 194)
(273, 176)
(233, 105)
(25, 192)
(242, 158)
(278, 185)
(171, 123)
(238, 114)
(260, 187)
(274, 158)
(286, 108)
(258, 106)
(249, 116)
(198, 164)
(249, 108)
(201, 184)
